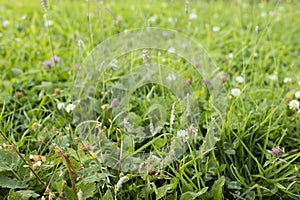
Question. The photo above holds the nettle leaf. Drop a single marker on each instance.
(69, 194)
(25, 195)
(8, 160)
(108, 195)
(217, 188)
(193, 195)
(162, 191)
(87, 189)
(6, 182)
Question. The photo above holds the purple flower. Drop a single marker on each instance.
(55, 59)
(277, 150)
(48, 63)
(51, 62)
(114, 102)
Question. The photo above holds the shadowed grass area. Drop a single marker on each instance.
(254, 46)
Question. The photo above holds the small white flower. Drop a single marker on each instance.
(294, 105)
(153, 19)
(5, 23)
(171, 50)
(273, 77)
(256, 29)
(263, 14)
(239, 79)
(70, 107)
(216, 29)
(183, 134)
(287, 80)
(60, 106)
(230, 55)
(193, 16)
(122, 180)
(171, 77)
(297, 94)
(48, 23)
(235, 92)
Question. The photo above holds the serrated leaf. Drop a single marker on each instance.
(108, 195)
(6, 182)
(69, 194)
(25, 194)
(192, 195)
(217, 188)
(8, 160)
(87, 189)
(162, 191)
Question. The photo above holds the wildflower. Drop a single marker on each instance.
(235, 92)
(183, 134)
(122, 180)
(48, 23)
(171, 50)
(165, 34)
(263, 14)
(287, 80)
(193, 16)
(55, 59)
(277, 150)
(37, 164)
(294, 105)
(5, 23)
(171, 77)
(239, 79)
(48, 63)
(60, 106)
(57, 91)
(114, 103)
(256, 29)
(297, 94)
(230, 55)
(70, 107)
(273, 77)
(216, 29)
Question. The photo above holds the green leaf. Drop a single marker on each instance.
(8, 160)
(162, 191)
(25, 194)
(69, 194)
(192, 195)
(108, 195)
(6, 182)
(87, 189)
(217, 188)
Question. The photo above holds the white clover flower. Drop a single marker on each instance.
(294, 105)
(122, 180)
(193, 16)
(263, 14)
(183, 134)
(287, 80)
(256, 29)
(70, 107)
(230, 55)
(60, 106)
(297, 94)
(239, 79)
(48, 23)
(235, 92)
(171, 77)
(273, 77)
(171, 50)
(5, 23)
(216, 29)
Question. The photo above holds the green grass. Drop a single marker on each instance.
(232, 161)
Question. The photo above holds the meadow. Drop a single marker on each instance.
(149, 100)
